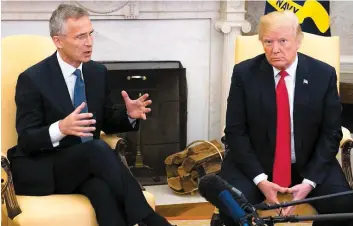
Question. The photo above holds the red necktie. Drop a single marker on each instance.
(282, 162)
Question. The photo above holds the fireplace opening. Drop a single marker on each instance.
(165, 130)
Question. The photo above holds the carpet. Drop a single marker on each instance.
(190, 222)
(199, 214)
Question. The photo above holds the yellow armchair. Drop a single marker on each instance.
(18, 53)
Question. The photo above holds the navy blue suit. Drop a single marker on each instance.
(91, 168)
(250, 130)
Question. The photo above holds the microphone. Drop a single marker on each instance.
(234, 210)
(238, 194)
(218, 195)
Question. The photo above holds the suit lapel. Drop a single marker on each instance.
(301, 94)
(268, 97)
(59, 87)
(301, 97)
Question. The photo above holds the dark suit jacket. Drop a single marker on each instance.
(251, 118)
(42, 98)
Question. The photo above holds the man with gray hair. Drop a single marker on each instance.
(63, 103)
(283, 125)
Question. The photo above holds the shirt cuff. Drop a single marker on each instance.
(309, 182)
(55, 134)
(259, 178)
(131, 120)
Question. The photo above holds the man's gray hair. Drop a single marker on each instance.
(61, 14)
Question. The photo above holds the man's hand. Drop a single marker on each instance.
(270, 191)
(136, 109)
(78, 124)
(299, 191)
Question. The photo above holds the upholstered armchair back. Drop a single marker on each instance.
(326, 49)
(18, 53)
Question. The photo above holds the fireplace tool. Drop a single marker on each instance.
(139, 169)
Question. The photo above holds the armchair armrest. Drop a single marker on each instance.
(118, 144)
(7, 190)
(346, 146)
(112, 140)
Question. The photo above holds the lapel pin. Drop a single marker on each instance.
(305, 81)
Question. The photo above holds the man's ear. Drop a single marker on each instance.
(299, 40)
(298, 43)
(58, 42)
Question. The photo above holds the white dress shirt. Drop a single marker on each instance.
(70, 79)
(290, 84)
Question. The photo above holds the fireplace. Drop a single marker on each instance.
(164, 131)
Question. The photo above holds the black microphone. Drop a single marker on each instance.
(217, 193)
(238, 194)
(265, 206)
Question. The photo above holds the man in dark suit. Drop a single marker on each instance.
(63, 103)
(283, 124)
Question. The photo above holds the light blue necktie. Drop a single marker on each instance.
(80, 96)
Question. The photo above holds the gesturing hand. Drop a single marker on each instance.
(136, 109)
(78, 124)
(299, 191)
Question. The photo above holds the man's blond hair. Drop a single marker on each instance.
(278, 19)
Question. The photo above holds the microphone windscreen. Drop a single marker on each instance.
(210, 187)
(214, 190)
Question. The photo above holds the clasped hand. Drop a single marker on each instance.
(270, 190)
(82, 124)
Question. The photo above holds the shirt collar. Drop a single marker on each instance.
(290, 70)
(66, 68)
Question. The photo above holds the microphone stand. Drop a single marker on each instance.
(270, 221)
(264, 206)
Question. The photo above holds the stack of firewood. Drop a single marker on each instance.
(186, 167)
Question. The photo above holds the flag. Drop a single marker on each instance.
(313, 15)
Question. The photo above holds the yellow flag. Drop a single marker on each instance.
(313, 15)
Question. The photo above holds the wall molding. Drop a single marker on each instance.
(128, 10)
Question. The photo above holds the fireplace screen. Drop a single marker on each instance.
(164, 131)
